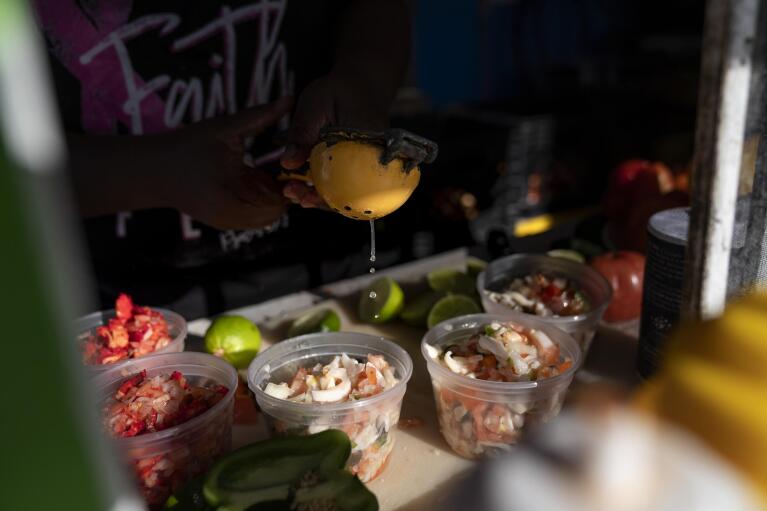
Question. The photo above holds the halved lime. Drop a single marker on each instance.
(234, 338)
(475, 266)
(450, 307)
(319, 320)
(450, 280)
(381, 302)
(564, 253)
(417, 310)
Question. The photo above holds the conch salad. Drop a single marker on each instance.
(143, 405)
(542, 295)
(133, 332)
(504, 352)
(475, 425)
(347, 379)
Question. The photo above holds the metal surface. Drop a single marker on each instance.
(662, 296)
(728, 38)
(753, 254)
(400, 144)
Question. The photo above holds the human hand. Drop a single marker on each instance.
(335, 99)
(209, 181)
(302, 194)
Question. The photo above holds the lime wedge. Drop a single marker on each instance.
(381, 302)
(234, 338)
(475, 266)
(319, 320)
(451, 307)
(451, 281)
(564, 253)
(417, 310)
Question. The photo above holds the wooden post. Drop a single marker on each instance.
(728, 39)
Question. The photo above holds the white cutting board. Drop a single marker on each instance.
(422, 466)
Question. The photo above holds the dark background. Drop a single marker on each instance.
(563, 89)
(533, 103)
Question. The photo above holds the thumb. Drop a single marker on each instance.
(255, 120)
(304, 133)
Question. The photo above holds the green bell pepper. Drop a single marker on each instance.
(288, 473)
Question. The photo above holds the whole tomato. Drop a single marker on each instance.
(631, 232)
(634, 181)
(624, 270)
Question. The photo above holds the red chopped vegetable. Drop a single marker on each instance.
(148, 404)
(133, 332)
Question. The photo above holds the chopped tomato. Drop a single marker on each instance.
(298, 384)
(551, 291)
(370, 372)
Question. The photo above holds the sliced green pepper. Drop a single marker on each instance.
(300, 473)
(340, 492)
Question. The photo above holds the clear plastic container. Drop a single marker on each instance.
(164, 460)
(370, 422)
(176, 328)
(582, 326)
(467, 407)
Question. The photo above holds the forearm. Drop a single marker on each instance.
(118, 173)
(373, 44)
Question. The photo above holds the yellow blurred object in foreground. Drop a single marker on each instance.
(713, 382)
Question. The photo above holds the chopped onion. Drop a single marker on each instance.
(432, 352)
(520, 366)
(495, 347)
(455, 364)
(280, 391)
(521, 299)
(547, 349)
(334, 394)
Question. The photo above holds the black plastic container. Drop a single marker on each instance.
(663, 280)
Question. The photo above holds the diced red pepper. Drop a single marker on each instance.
(107, 356)
(134, 332)
(119, 335)
(124, 307)
(135, 428)
(128, 384)
(103, 332)
(143, 310)
(152, 420)
(180, 379)
(132, 414)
